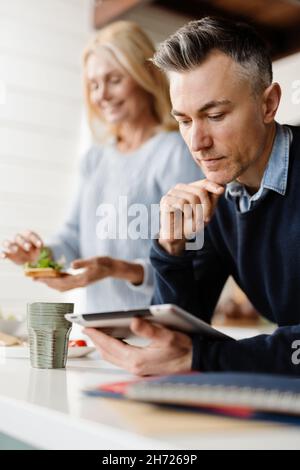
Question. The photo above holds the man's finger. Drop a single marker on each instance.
(148, 330)
(107, 356)
(209, 186)
(172, 203)
(195, 197)
(113, 346)
(129, 357)
(191, 196)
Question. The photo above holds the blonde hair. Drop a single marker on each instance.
(132, 49)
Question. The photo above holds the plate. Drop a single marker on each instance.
(11, 327)
(80, 351)
(22, 352)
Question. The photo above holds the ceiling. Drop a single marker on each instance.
(278, 21)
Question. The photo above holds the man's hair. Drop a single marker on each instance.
(188, 47)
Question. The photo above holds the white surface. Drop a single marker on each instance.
(45, 408)
(22, 352)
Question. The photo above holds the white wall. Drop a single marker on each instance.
(40, 125)
(158, 22)
(287, 74)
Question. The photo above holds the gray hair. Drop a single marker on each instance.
(188, 47)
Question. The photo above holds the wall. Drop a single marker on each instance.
(40, 125)
(160, 23)
(287, 74)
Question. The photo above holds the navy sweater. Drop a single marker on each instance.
(261, 250)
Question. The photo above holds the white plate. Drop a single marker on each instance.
(80, 351)
(11, 327)
(22, 352)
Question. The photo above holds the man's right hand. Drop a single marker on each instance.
(24, 248)
(180, 215)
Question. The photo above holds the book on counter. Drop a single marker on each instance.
(239, 394)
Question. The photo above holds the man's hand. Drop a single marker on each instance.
(95, 269)
(180, 215)
(24, 248)
(169, 352)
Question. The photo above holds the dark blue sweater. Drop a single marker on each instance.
(261, 250)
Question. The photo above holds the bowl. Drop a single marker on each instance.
(11, 327)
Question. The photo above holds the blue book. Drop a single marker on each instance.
(245, 391)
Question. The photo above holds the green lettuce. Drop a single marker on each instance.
(45, 260)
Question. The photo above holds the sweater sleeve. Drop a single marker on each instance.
(278, 353)
(65, 243)
(146, 287)
(192, 281)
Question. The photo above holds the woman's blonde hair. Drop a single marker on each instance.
(132, 49)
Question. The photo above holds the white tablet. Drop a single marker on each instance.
(117, 323)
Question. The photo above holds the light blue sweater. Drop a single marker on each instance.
(107, 178)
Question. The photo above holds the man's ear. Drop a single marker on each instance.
(270, 102)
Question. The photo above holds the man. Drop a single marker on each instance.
(225, 102)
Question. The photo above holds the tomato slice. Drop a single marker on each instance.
(77, 343)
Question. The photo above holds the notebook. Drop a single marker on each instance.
(119, 390)
(257, 392)
(238, 395)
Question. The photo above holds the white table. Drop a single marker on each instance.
(46, 409)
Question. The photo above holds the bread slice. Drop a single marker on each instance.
(8, 340)
(42, 272)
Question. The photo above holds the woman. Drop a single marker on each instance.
(142, 157)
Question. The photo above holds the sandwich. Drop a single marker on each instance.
(9, 340)
(44, 267)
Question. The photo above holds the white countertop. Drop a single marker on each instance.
(46, 409)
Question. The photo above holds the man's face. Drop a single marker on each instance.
(220, 118)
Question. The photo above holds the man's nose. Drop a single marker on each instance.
(200, 138)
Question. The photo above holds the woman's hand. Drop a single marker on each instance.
(24, 248)
(95, 269)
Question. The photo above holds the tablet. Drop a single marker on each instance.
(117, 323)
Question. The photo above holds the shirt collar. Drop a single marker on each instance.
(276, 172)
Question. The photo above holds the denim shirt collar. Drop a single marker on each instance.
(275, 175)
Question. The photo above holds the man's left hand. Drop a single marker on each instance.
(169, 352)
